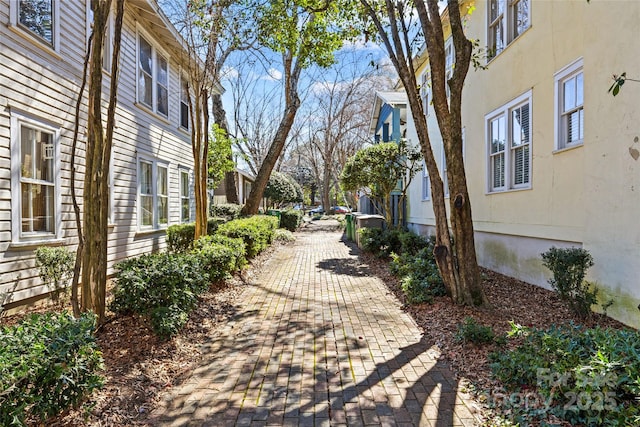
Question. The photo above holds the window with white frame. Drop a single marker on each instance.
(425, 91)
(506, 20)
(450, 60)
(153, 78)
(35, 165)
(153, 194)
(569, 89)
(185, 200)
(184, 103)
(39, 18)
(509, 145)
(426, 185)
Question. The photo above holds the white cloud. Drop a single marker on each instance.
(273, 75)
(229, 73)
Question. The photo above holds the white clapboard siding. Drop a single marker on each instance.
(45, 85)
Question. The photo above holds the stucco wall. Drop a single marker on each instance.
(587, 196)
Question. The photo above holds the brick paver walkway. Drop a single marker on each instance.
(318, 342)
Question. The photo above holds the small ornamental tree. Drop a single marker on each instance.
(380, 169)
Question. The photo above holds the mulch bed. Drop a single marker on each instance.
(509, 300)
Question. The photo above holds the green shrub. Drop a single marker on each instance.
(48, 363)
(291, 219)
(148, 282)
(217, 259)
(235, 245)
(411, 243)
(584, 376)
(379, 242)
(420, 278)
(284, 236)
(473, 332)
(226, 210)
(180, 237)
(214, 222)
(256, 232)
(569, 267)
(167, 321)
(55, 265)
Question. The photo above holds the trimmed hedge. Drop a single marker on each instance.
(49, 363)
(291, 219)
(220, 255)
(226, 210)
(180, 236)
(256, 232)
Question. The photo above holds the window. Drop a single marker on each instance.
(507, 19)
(184, 103)
(39, 18)
(185, 201)
(569, 90)
(450, 60)
(107, 45)
(153, 194)
(153, 78)
(509, 145)
(35, 166)
(426, 185)
(425, 89)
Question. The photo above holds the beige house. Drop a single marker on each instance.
(551, 157)
(41, 59)
(243, 180)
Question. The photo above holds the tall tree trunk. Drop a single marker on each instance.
(292, 103)
(456, 262)
(75, 303)
(467, 283)
(220, 118)
(200, 148)
(98, 159)
(326, 186)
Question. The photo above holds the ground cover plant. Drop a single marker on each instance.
(585, 376)
(48, 364)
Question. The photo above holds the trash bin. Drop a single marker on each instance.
(275, 212)
(349, 228)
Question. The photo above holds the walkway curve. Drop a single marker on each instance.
(318, 341)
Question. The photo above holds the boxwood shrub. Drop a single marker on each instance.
(180, 236)
(226, 210)
(291, 219)
(236, 246)
(256, 232)
(48, 364)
